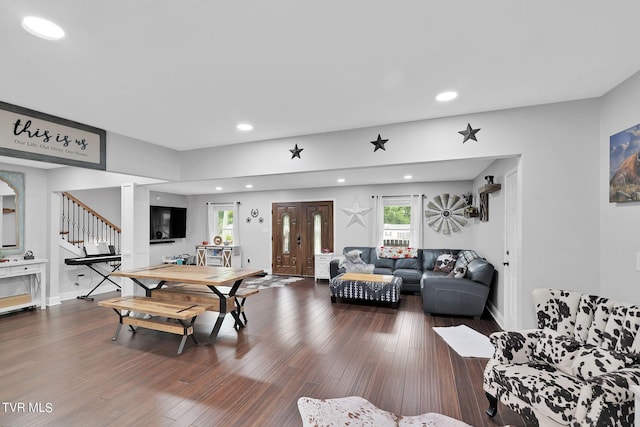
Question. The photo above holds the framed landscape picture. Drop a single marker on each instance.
(624, 165)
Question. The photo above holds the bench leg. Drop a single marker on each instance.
(186, 326)
(115, 336)
(181, 346)
(120, 316)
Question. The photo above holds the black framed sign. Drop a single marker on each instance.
(33, 135)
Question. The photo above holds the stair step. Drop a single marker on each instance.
(64, 232)
(76, 241)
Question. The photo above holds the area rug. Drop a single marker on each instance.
(466, 341)
(270, 281)
(355, 411)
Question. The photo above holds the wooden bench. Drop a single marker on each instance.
(241, 296)
(197, 294)
(184, 313)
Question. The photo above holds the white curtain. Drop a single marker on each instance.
(377, 228)
(417, 223)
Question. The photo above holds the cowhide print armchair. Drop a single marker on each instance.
(578, 368)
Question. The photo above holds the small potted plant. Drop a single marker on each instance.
(228, 240)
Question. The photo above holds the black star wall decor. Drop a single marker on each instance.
(469, 133)
(295, 152)
(379, 143)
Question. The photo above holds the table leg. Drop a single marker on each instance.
(235, 311)
(216, 327)
(238, 322)
(240, 311)
(235, 287)
(147, 290)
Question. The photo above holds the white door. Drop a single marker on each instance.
(512, 319)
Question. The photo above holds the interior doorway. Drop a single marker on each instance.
(511, 255)
(299, 231)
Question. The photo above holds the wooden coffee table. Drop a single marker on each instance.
(366, 287)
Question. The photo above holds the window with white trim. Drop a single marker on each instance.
(396, 224)
(222, 221)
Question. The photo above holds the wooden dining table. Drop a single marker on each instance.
(155, 277)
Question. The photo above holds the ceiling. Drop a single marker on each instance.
(183, 74)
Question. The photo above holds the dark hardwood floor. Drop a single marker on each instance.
(61, 365)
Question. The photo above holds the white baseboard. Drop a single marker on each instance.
(497, 316)
(53, 301)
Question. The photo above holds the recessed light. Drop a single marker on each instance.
(341, 180)
(42, 28)
(244, 127)
(446, 96)
(218, 188)
(408, 176)
(248, 186)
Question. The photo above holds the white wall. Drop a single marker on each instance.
(127, 155)
(255, 238)
(619, 231)
(105, 201)
(490, 235)
(559, 149)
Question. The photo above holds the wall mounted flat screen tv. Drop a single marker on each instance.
(167, 222)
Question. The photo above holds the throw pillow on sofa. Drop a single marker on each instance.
(465, 257)
(458, 272)
(445, 263)
(557, 350)
(352, 263)
(396, 252)
(353, 256)
(591, 361)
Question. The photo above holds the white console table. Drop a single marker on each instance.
(35, 294)
(321, 266)
(218, 256)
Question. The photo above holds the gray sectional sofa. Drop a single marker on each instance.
(441, 293)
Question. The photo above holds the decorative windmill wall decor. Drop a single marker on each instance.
(445, 214)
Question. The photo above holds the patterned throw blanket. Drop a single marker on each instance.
(352, 263)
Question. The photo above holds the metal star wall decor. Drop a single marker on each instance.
(379, 143)
(356, 214)
(469, 133)
(295, 152)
